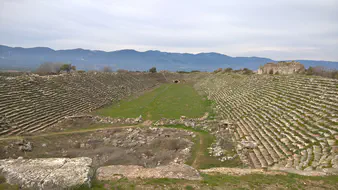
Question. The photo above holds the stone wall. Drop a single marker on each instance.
(282, 67)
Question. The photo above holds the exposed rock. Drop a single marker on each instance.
(331, 142)
(47, 173)
(204, 117)
(240, 171)
(301, 172)
(174, 171)
(107, 120)
(248, 144)
(138, 119)
(25, 146)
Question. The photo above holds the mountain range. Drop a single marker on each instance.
(28, 59)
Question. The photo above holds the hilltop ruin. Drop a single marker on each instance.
(282, 67)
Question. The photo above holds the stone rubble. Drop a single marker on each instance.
(172, 171)
(25, 146)
(218, 128)
(107, 120)
(47, 173)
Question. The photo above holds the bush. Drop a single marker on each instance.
(122, 71)
(152, 70)
(227, 70)
(66, 67)
(107, 69)
(322, 71)
(247, 71)
(218, 70)
(182, 71)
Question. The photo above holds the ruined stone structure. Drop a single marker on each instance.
(31, 103)
(282, 67)
(281, 122)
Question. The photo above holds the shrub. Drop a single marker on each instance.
(122, 71)
(182, 71)
(66, 67)
(107, 69)
(227, 70)
(322, 71)
(152, 70)
(247, 71)
(218, 70)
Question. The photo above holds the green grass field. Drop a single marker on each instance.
(168, 100)
(253, 181)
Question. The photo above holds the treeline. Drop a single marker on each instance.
(322, 71)
(50, 68)
(244, 71)
(54, 68)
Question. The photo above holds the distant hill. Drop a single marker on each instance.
(17, 58)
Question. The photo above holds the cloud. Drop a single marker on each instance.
(279, 29)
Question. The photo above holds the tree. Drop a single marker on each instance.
(247, 71)
(309, 71)
(152, 70)
(228, 70)
(107, 69)
(66, 67)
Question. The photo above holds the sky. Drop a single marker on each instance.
(277, 29)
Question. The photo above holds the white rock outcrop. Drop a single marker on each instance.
(174, 171)
(47, 173)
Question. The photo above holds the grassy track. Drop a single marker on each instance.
(200, 157)
(169, 101)
(253, 181)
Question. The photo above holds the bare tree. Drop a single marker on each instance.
(322, 71)
(49, 68)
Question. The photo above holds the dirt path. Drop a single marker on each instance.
(199, 152)
(68, 132)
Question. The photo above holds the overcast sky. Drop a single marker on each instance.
(278, 29)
